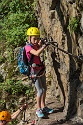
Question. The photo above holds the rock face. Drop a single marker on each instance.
(66, 72)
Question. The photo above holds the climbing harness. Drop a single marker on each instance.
(38, 74)
(35, 76)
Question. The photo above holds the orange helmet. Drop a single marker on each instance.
(5, 115)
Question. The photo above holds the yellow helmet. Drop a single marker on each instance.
(5, 115)
(33, 31)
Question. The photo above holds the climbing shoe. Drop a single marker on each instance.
(39, 113)
(47, 110)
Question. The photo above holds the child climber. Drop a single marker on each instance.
(40, 82)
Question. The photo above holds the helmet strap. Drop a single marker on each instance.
(30, 39)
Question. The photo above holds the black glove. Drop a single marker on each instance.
(47, 43)
(43, 40)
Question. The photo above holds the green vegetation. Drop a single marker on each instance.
(73, 24)
(12, 90)
(1, 78)
(2, 59)
(13, 87)
(16, 17)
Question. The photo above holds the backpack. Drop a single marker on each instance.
(23, 63)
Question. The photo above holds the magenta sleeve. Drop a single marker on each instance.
(28, 49)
